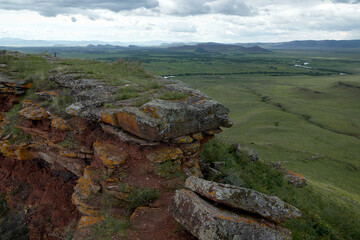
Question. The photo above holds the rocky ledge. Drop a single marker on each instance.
(210, 211)
(104, 159)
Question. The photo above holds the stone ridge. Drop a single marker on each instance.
(156, 120)
(209, 222)
(249, 200)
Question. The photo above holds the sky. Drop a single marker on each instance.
(228, 21)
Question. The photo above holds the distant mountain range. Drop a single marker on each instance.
(193, 46)
(309, 45)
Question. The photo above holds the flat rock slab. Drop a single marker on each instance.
(269, 207)
(207, 222)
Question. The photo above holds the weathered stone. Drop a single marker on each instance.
(74, 165)
(34, 113)
(60, 123)
(164, 154)
(207, 222)
(251, 153)
(126, 137)
(47, 95)
(19, 152)
(295, 179)
(191, 149)
(269, 207)
(110, 155)
(182, 140)
(87, 221)
(197, 136)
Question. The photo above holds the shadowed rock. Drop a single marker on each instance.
(207, 222)
(269, 207)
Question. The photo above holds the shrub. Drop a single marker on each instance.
(173, 95)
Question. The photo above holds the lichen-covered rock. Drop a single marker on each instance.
(164, 154)
(16, 151)
(110, 155)
(295, 179)
(269, 207)
(88, 221)
(47, 95)
(183, 139)
(60, 123)
(251, 153)
(34, 113)
(207, 222)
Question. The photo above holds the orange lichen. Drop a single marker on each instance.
(165, 154)
(109, 118)
(151, 111)
(86, 221)
(128, 122)
(19, 152)
(110, 155)
(197, 136)
(34, 113)
(60, 123)
(68, 153)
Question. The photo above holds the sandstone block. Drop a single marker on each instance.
(269, 207)
(207, 222)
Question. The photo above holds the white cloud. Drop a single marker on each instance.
(182, 20)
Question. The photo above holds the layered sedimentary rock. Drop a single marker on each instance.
(102, 158)
(209, 222)
(269, 207)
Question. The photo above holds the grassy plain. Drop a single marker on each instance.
(307, 117)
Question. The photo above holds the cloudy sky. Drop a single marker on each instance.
(180, 20)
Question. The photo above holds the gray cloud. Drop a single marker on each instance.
(73, 19)
(52, 8)
(231, 7)
(198, 7)
(346, 1)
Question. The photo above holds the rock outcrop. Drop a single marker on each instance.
(108, 155)
(209, 222)
(269, 207)
(78, 151)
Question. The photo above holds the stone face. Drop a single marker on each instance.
(110, 155)
(207, 222)
(72, 164)
(165, 154)
(19, 152)
(269, 207)
(295, 179)
(60, 123)
(156, 120)
(34, 113)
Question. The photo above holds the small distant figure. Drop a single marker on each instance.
(54, 54)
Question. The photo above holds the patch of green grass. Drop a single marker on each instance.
(172, 95)
(67, 143)
(126, 93)
(141, 101)
(323, 218)
(110, 227)
(169, 170)
(109, 105)
(136, 196)
(60, 103)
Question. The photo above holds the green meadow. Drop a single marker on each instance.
(307, 118)
(301, 108)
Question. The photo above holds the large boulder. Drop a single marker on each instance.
(269, 207)
(208, 222)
